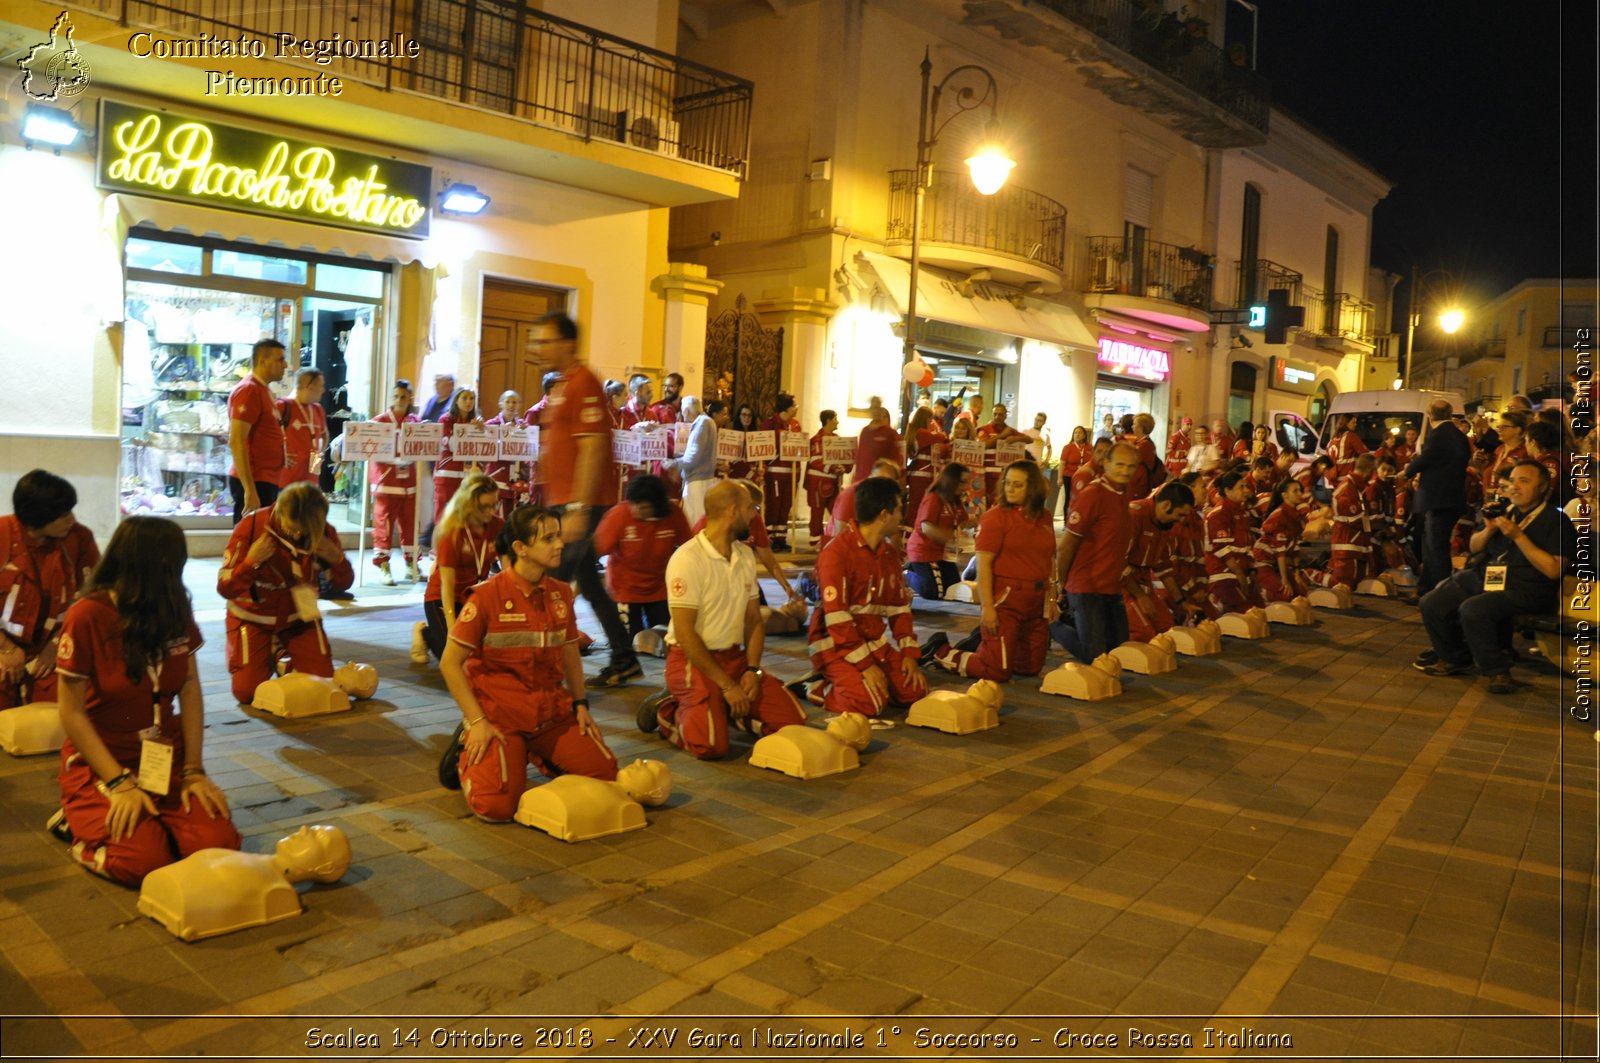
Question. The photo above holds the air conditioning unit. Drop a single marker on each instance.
(653, 134)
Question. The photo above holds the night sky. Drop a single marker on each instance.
(1462, 107)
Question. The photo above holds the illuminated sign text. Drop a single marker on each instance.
(1129, 359)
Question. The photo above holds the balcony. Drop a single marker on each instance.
(1257, 278)
(1493, 348)
(1018, 236)
(499, 58)
(1568, 336)
(1164, 284)
(1340, 318)
(1147, 59)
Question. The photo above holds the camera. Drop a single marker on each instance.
(1496, 508)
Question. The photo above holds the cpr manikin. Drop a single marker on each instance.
(31, 729)
(576, 808)
(959, 714)
(1096, 681)
(218, 891)
(810, 752)
(299, 694)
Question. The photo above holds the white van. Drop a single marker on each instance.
(1380, 416)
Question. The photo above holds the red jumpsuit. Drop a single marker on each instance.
(1350, 557)
(119, 708)
(1178, 453)
(262, 616)
(1227, 527)
(394, 500)
(1024, 553)
(1187, 546)
(1149, 573)
(517, 633)
(863, 619)
(1344, 449)
(1144, 477)
(510, 477)
(927, 458)
(778, 487)
(822, 484)
(448, 471)
(1280, 538)
(37, 583)
(305, 440)
(1245, 448)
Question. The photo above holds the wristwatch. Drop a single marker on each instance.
(107, 788)
(756, 671)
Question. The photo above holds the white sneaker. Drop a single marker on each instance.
(419, 645)
(411, 571)
(385, 577)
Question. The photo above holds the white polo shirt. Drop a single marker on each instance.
(720, 588)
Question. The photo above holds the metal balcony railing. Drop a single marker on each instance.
(1151, 269)
(1177, 48)
(1339, 315)
(498, 55)
(1568, 335)
(1013, 221)
(1258, 278)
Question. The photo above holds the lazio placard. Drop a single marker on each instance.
(175, 156)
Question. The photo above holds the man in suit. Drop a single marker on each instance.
(1440, 472)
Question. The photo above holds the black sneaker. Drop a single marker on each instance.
(973, 640)
(1442, 667)
(936, 642)
(332, 595)
(1425, 658)
(1503, 684)
(799, 687)
(648, 716)
(450, 763)
(616, 675)
(57, 825)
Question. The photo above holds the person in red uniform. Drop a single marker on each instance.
(464, 542)
(269, 579)
(930, 553)
(715, 681)
(305, 430)
(877, 440)
(1314, 479)
(669, 411)
(1406, 449)
(1276, 550)
(861, 637)
(1227, 546)
(844, 508)
(1149, 585)
(639, 537)
(1094, 553)
(1150, 473)
(127, 649)
(255, 434)
(927, 453)
(531, 416)
(510, 477)
(972, 413)
(394, 495)
(822, 479)
(575, 466)
(1262, 477)
(1178, 448)
(1016, 586)
(513, 668)
(1345, 447)
(1077, 453)
(449, 469)
(778, 486)
(1187, 544)
(1350, 557)
(39, 577)
(991, 435)
(1381, 498)
(1259, 445)
(1509, 427)
(1222, 438)
(1092, 469)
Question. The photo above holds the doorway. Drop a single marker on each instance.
(510, 309)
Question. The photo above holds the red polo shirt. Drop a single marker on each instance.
(1099, 517)
(252, 402)
(1023, 549)
(936, 511)
(578, 408)
(639, 551)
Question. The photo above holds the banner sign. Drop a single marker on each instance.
(197, 160)
(624, 446)
(968, 452)
(652, 446)
(421, 440)
(794, 446)
(473, 442)
(730, 445)
(514, 442)
(839, 450)
(368, 441)
(760, 446)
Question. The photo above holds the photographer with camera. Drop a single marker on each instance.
(1516, 564)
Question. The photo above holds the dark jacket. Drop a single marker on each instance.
(1441, 469)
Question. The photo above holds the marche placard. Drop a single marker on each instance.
(794, 446)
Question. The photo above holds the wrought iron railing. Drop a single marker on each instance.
(1340, 315)
(1177, 48)
(498, 55)
(1261, 276)
(1151, 269)
(1013, 221)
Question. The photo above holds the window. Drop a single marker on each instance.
(1330, 284)
(1250, 248)
(349, 280)
(227, 263)
(1522, 320)
(1516, 380)
(164, 257)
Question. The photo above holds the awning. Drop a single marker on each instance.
(126, 211)
(987, 308)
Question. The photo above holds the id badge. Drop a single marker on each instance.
(1494, 578)
(155, 766)
(305, 602)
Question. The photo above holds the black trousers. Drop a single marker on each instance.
(268, 493)
(1434, 547)
(581, 566)
(642, 616)
(928, 579)
(435, 634)
(1468, 624)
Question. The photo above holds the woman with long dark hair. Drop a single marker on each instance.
(744, 420)
(931, 549)
(512, 666)
(1017, 586)
(449, 470)
(134, 787)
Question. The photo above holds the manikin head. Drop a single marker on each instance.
(648, 782)
(316, 852)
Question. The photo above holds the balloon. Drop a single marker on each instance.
(914, 371)
(927, 379)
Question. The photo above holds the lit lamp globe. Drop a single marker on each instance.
(1450, 321)
(990, 167)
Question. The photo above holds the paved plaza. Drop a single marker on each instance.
(1303, 846)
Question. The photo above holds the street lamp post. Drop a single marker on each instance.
(1450, 319)
(989, 167)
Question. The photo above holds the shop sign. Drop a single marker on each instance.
(176, 156)
(1130, 359)
(1287, 375)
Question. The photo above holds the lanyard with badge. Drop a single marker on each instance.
(304, 595)
(155, 752)
(1494, 575)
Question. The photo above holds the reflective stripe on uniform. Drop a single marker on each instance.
(536, 639)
